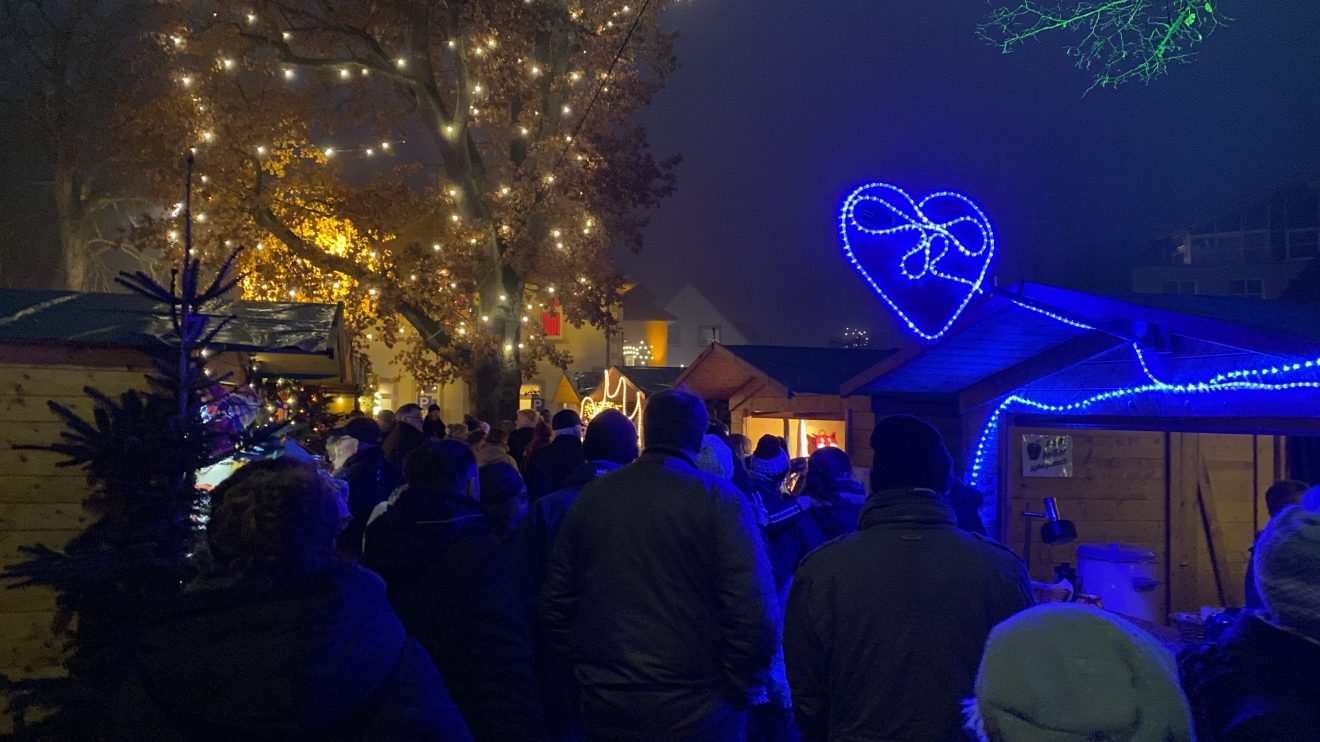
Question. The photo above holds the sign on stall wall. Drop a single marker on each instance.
(1047, 455)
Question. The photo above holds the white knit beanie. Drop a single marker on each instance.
(715, 458)
(1287, 567)
(1064, 672)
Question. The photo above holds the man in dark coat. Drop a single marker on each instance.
(659, 592)
(610, 442)
(1261, 679)
(406, 436)
(370, 479)
(885, 626)
(283, 641)
(830, 506)
(548, 469)
(451, 584)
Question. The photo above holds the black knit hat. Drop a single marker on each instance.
(364, 429)
(908, 452)
(610, 437)
(565, 419)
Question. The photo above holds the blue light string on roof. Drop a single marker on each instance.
(934, 243)
(1223, 382)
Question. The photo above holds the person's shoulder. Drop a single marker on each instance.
(997, 550)
(838, 550)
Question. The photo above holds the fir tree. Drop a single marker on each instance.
(141, 452)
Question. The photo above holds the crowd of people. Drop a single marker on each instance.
(545, 580)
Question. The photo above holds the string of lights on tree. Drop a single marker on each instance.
(403, 279)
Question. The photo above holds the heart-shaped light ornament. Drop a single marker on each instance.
(927, 259)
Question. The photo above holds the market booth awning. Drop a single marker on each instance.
(294, 340)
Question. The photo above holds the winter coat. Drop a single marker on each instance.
(370, 479)
(530, 549)
(451, 585)
(518, 440)
(401, 442)
(548, 469)
(792, 538)
(659, 592)
(1256, 682)
(493, 454)
(885, 626)
(324, 659)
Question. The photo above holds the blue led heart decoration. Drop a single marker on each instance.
(926, 259)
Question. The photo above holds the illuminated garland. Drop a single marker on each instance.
(589, 407)
(1222, 382)
(935, 243)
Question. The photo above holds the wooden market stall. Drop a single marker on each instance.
(625, 388)
(54, 344)
(788, 392)
(1154, 421)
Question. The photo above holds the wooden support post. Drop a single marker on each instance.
(1214, 534)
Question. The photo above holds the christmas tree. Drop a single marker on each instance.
(141, 452)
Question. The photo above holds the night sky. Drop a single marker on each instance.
(781, 108)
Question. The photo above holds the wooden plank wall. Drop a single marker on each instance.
(39, 502)
(1116, 494)
(1122, 490)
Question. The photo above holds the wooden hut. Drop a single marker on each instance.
(1156, 421)
(625, 388)
(53, 345)
(788, 392)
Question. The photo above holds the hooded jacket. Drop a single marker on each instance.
(371, 479)
(1257, 682)
(325, 659)
(659, 593)
(450, 583)
(547, 469)
(885, 626)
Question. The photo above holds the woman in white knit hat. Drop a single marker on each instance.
(1261, 679)
(1063, 672)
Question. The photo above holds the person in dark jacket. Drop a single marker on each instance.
(451, 585)
(829, 506)
(884, 627)
(522, 435)
(406, 436)
(1261, 679)
(433, 426)
(503, 499)
(284, 641)
(547, 469)
(610, 442)
(659, 593)
(1280, 495)
(370, 479)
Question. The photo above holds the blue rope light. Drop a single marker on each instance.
(1223, 382)
(928, 259)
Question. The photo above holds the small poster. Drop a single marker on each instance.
(1047, 455)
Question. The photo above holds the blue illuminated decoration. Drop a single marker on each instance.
(1248, 380)
(926, 259)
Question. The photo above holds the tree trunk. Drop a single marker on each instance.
(72, 272)
(498, 374)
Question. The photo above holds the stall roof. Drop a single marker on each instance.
(132, 321)
(1006, 339)
(651, 379)
(722, 370)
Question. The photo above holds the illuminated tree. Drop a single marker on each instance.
(446, 169)
(1118, 41)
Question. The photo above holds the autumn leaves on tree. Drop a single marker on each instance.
(444, 169)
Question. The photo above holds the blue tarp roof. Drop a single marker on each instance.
(132, 321)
